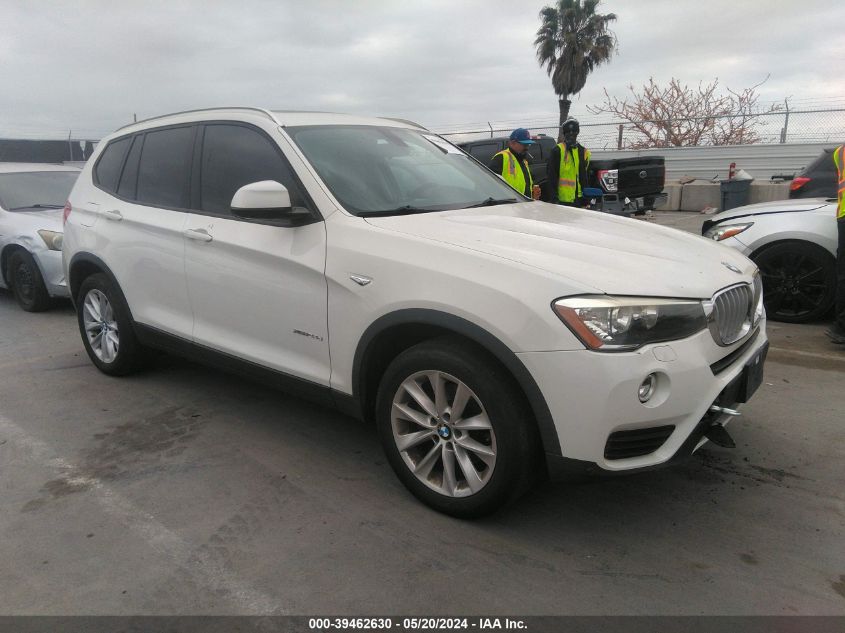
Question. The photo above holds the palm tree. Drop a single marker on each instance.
(572, 41)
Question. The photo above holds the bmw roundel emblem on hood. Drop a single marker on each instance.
(732, 267)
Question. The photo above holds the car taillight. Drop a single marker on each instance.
(66, 212)
(798, 182)
(609, 179)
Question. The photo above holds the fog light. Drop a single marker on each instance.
(647, 388)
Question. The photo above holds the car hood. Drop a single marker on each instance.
(778, 206)
(593, 251)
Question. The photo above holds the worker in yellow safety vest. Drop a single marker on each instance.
(837, 332)
(512, 163)
(569, 162)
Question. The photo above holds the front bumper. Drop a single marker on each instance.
(620, 204)
(50, 264)
(592, 395)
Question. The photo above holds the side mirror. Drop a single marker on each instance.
(267, 202)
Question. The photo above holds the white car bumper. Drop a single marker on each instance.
(593, 395)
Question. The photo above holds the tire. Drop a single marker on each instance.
(453, 479)
(106, 327)
(26, 282)
(799, 281)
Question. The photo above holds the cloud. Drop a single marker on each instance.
(89, 66)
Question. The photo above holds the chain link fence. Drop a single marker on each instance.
(785, 126)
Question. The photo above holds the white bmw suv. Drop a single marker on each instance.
(371, 264)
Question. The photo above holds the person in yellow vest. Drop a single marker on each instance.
(512, 163)
(837, 332)
(569, 162)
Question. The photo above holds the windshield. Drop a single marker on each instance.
(36, 190)
(375, 170)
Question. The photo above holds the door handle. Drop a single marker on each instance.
(115, 215)
(200, 235)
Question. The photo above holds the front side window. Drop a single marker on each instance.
(25, 191)
(385, 170)
(234, 156)
(164, 170)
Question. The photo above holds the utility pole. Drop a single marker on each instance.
(619, 140)
(785, 122)
(69, 144)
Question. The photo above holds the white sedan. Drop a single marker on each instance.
(32, 196)
(794, 244)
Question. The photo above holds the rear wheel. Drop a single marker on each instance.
(455, 429)
(799, 281)
(26, 282)
(106, 328)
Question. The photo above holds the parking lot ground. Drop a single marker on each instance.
(183, 490)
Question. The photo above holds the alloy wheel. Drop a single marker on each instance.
(443, 433)
(100, 326)
(794, 284)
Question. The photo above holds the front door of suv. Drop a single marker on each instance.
(258, 291)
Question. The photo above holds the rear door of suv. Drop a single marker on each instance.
(140, 207)
(258, 291)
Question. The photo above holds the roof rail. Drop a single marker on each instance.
(406, 121)
(267, 113)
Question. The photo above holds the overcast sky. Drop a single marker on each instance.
(88, 66)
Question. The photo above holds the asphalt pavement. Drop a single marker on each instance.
(183, 490)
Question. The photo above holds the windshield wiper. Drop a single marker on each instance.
(492, 202)
(38, 206)
(404, 210)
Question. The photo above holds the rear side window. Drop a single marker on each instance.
(234, 156)
(164, 170)
(541, 149)
(483, 153)
(820, 166)
(129, 179)
(108, 167)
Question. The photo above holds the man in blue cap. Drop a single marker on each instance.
(512, 164)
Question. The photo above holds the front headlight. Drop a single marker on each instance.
(615, 324)
(724, 231)
(52, 239)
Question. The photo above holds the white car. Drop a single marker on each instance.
(32, 196)
(794, 244)
(371, 264)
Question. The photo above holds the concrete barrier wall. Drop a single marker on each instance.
(699, 195)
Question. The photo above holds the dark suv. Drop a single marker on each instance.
(629, 184)
(816, 180)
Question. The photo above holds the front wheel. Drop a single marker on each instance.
(26, 282)
(106, 328)
(799, 281)
(455, 429)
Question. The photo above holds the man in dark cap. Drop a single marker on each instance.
(568, 164)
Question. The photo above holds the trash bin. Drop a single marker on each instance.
(735, 193)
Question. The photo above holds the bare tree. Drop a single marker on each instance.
(678, 115)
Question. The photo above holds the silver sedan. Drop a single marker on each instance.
(32, 196)
(794, 244)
